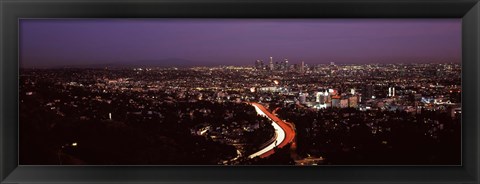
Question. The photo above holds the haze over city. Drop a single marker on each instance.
(240, 92)
(211, 42)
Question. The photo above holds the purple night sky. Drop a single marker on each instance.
(83, 42)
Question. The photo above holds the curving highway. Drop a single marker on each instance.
(284, 133)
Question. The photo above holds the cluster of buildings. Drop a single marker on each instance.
(404, 87)
(141, 92)
(279, 65)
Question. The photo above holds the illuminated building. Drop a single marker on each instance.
(391, 91)
(271, 67)
(344, 103)
(302, 98)
(322, 97)
(268, 89)
(318, 95)
(353, 101)
(258, 64)
(336, 101)
(302, 67)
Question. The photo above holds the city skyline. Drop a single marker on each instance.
(240, 92)
(390, 114)
(209, 42)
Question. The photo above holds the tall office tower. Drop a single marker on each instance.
(271, 63)
(393, 91)
(258, 65)
(302, 67)
(262, 65)
(285, 65)
(277, 66)
(352, 91)
(332, 63)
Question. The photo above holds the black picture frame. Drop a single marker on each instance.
(12, 10)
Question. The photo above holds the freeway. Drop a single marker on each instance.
(284, 132)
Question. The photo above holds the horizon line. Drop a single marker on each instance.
(214, 66)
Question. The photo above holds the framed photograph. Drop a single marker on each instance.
(249, 91)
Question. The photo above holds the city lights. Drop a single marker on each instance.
(240, 92)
